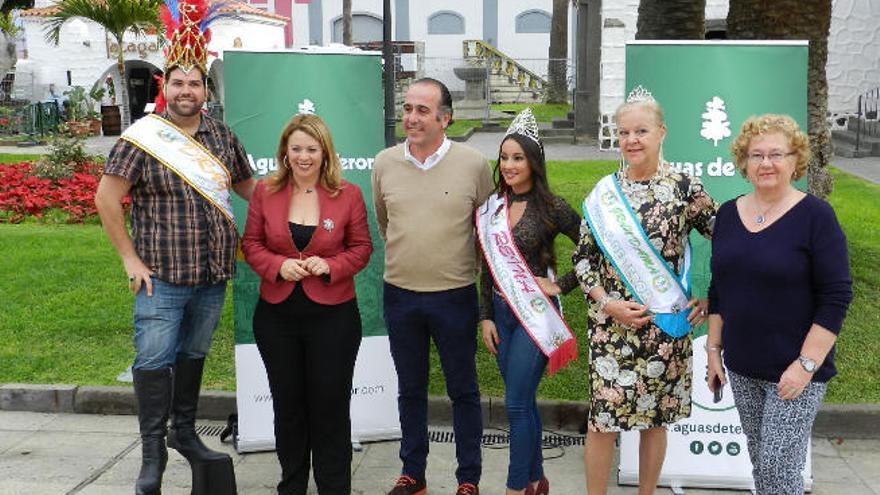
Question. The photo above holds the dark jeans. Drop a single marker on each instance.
(309, 351)
(522, 365)
(450, 319)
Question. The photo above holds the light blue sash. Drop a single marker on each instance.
(641, 268)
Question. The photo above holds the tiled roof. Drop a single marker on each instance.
(234, 7)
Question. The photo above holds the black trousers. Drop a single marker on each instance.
(309, 351)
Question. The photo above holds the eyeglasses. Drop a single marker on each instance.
(775, 157)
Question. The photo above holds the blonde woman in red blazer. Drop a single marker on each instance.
(306, 237)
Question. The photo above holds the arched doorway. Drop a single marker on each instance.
(142, 86)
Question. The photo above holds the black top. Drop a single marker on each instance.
(529, 236)
(301, 234)
(771, 286)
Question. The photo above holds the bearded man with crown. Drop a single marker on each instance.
(178, 166)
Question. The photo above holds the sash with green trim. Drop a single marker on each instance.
(641, 268)
(517, 285)
(184, 156)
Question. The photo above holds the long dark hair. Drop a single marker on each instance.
(543, 197)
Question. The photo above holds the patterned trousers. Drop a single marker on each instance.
(778, 432)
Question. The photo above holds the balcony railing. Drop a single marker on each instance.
(867, 118)
(500, 62)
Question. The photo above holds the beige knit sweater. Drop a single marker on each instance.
(426, 217)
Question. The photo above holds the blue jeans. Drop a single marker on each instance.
(175, 320)
(449, 318)
(522, 365)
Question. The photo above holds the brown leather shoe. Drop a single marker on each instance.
(407, 485)
(467, 489)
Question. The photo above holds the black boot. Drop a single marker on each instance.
(153, 391)
(182, 435)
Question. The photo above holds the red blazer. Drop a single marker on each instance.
(342, 238)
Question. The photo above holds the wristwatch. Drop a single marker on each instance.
(807, 364)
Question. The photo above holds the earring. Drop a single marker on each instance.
(284, 161)
(622, 165)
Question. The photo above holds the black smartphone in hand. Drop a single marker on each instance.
(717, 389)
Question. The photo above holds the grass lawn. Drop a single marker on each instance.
(17, 157)
(458, 128)
(65, 312)
(544, 112)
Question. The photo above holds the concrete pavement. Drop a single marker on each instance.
(89, 454)
(59, 453)
(65, 439)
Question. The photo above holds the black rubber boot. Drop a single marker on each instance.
(182, 435)
(153, 391)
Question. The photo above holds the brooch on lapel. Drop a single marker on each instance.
(328, 224)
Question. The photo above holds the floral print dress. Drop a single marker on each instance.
(641, 378)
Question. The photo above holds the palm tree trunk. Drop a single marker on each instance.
(557, 68)
(346, 23)
(798, 20)
(123, 91)
(671, 20)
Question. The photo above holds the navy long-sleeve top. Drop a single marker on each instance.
(771, 286)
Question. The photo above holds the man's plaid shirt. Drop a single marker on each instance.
(177, 233)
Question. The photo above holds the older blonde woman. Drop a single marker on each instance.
(637, 223)
(780, 291)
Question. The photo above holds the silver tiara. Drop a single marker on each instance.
(524, 124)
(639, 93)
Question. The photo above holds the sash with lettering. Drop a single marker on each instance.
(641, 268)
(516, 283)
(184, 156)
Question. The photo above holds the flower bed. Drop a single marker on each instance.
(24, 196)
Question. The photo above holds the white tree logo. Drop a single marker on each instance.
(715, 124)
(307, 106)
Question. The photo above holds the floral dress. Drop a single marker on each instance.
(641, 378)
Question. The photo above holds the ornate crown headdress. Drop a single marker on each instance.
(639, 93)
(525, 124)
(186, 29)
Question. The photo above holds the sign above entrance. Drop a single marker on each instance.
(143, 49)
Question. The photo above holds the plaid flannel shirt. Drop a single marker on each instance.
(177, 233)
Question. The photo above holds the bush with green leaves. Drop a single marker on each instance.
(67, 155)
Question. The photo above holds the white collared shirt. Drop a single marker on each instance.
(432, 159)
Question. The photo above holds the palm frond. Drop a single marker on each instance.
(116, 16)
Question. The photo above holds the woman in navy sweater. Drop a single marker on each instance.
(779, 294)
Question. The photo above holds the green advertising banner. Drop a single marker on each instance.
(707, 90)
(263, 91)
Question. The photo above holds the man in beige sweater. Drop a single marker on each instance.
(425, 192)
